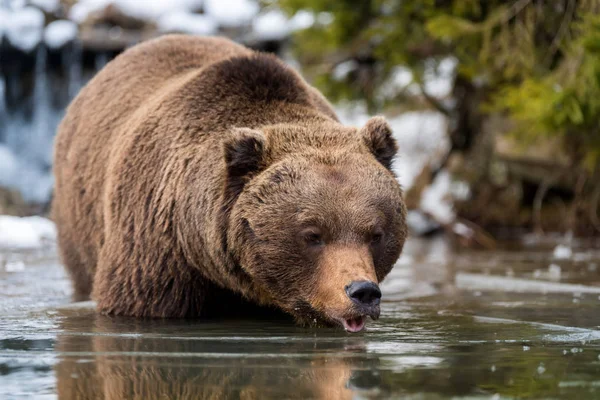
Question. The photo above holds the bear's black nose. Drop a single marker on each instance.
(364, 293)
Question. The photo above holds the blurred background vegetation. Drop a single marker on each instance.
(517, 84)
(524, 107)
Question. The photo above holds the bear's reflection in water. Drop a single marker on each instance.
(102, 359)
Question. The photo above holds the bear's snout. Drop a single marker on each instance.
(365, 294)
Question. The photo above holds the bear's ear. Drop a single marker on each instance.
(244, 152)
(377, 135)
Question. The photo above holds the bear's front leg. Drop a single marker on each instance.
(153, 282)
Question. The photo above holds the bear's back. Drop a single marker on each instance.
(136, 75)
(90, 131)
(136, 125)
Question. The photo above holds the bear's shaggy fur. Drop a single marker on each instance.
(196, 177)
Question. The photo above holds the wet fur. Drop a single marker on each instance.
(155, 152)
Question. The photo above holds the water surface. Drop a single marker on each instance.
(513, 323)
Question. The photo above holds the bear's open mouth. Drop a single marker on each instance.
(354, 324)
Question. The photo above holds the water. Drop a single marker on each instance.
(445, 333)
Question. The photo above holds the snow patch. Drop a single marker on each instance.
(3, 21)
(439, 79)
(419, 224)
(400, 79)
(148, 10)
(14, 266)
(47, 5)
(324, 18)
(151, 10)
(187, 22)
(562, 252)
(272, 25)
(423, 142)
(25, 232)
(436, 199)
(352, 114)
(302, 20)
(460, 190)
(24, 28)
(33, 184)
(231, 13)
(59, 33)
(81, 10)
(8, 166)
(341, 71)
(554, 272)
(463, 230)
(401, 76)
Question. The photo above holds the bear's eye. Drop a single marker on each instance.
(313, 237)
(376, 238)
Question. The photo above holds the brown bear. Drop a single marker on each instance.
(195, 177)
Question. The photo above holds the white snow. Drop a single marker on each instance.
(341, 71)
(554, 272)
(422, 141)
(149, 10)
(24, 27)
(8, 166)
(60, 32)
(399, 80)
(460, 190)
(324, 18)
(439, 79)
(436, 199)
(4, 16)
(272, 25)
(352, 114)
(14, 266)
(463, 230)
(33, 184)
(46, 5)
(228, 13)
(302, 20)
(15, 4)
(562, 252)
(83, 8)
(231, 12)
(419, 224)
(25, 232)
(187, 22)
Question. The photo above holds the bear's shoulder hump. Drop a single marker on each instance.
(258, 77)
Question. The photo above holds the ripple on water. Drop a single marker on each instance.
(453, 326)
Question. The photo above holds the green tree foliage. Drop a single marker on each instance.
(537, 61)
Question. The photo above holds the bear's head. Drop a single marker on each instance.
(316, 217)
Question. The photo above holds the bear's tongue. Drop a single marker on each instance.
(354, 324)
